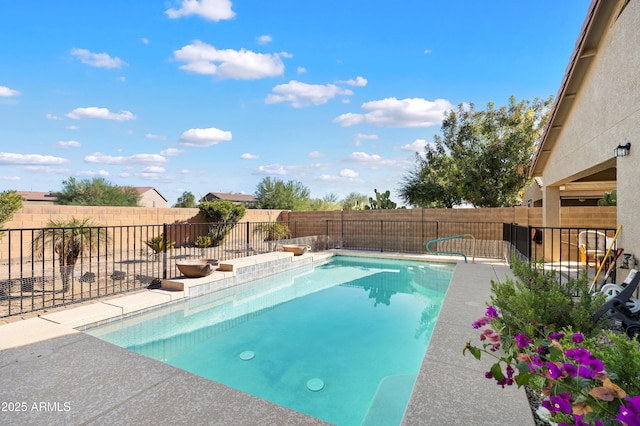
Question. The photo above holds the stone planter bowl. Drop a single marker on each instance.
(296, 249)
(196, 268)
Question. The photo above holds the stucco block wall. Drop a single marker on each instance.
(606, 113)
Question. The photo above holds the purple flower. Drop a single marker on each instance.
(492, 312)
(634, 404)
(630, 412)
(556, 336)
(595, 365)
(488, 375)
(577, 338)
(558, 403)
(509, 371)
(585, 372)
(522, 341)
(570, 369)
(481, 322)
(554, 371)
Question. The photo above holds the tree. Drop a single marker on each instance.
(382, 201)
(326, 203)
(273, 193)
(186, 200)
(10, 202)
(481, 158)
(69, 240)
(96, 192)
(354, 201)
(222, 216)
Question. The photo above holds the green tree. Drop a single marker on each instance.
(222, 216)
(481, 158)
(10, 202)
(382, 201)
(326, 203)
(273, 193)
(68, 240)
(96, 192)
(354, 201)
(186, 200)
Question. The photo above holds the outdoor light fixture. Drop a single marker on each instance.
(622, 150)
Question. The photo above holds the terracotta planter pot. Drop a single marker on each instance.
(196, 268)
(296, 249)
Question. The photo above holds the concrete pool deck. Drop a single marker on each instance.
(52, 374)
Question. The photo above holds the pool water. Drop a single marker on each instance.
(342, 342)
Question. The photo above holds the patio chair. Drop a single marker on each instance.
(622, 307)
(593, 246)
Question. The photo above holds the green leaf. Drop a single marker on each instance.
(523, 379)
(496, 371)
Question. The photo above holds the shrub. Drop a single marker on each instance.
(158, 244)
(223, 215)
(536, 299)
(621, 356)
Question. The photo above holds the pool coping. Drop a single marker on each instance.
(29, 347)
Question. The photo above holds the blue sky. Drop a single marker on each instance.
(214, 95)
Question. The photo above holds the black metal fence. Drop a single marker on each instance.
(51, 267)
(568, 251)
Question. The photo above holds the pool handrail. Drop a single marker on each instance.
(473, 252)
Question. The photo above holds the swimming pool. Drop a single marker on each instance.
(342, 342)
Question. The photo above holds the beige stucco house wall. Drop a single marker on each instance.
(597, 109)
(150, 197)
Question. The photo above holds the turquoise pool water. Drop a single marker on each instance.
(342, 342)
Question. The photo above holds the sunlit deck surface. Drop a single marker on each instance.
(60, 376)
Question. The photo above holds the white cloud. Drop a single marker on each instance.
(185, 171)
(202, 58)
(426, 51)
(152, 136)
(69, 144)
(5, 92)
(248, 156)
(301, 70)
(359, 137)
(415, 146)
(374, 161)
(343, 175)
(102, 113)
(25, 159)
(392, 112)
(213, 10)
(153, 169)
(101, 173)
(72, 127)
(53, 117)
(204, 137)
(264, 39)
(271, 169)
(358, 82)
(348, 173)
(98, 157)
(170, 152)
(12, 178)
(302, 94)
(315, 154)
(99, 60)
(144, 40)
(122, 79)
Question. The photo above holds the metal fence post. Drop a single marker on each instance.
(164, 252)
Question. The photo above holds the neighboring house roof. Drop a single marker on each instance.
(144, 189)
(37, 196)
(593, 28)
(237, 198)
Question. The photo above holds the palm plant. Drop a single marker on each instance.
(68, 240)
(159, 245)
